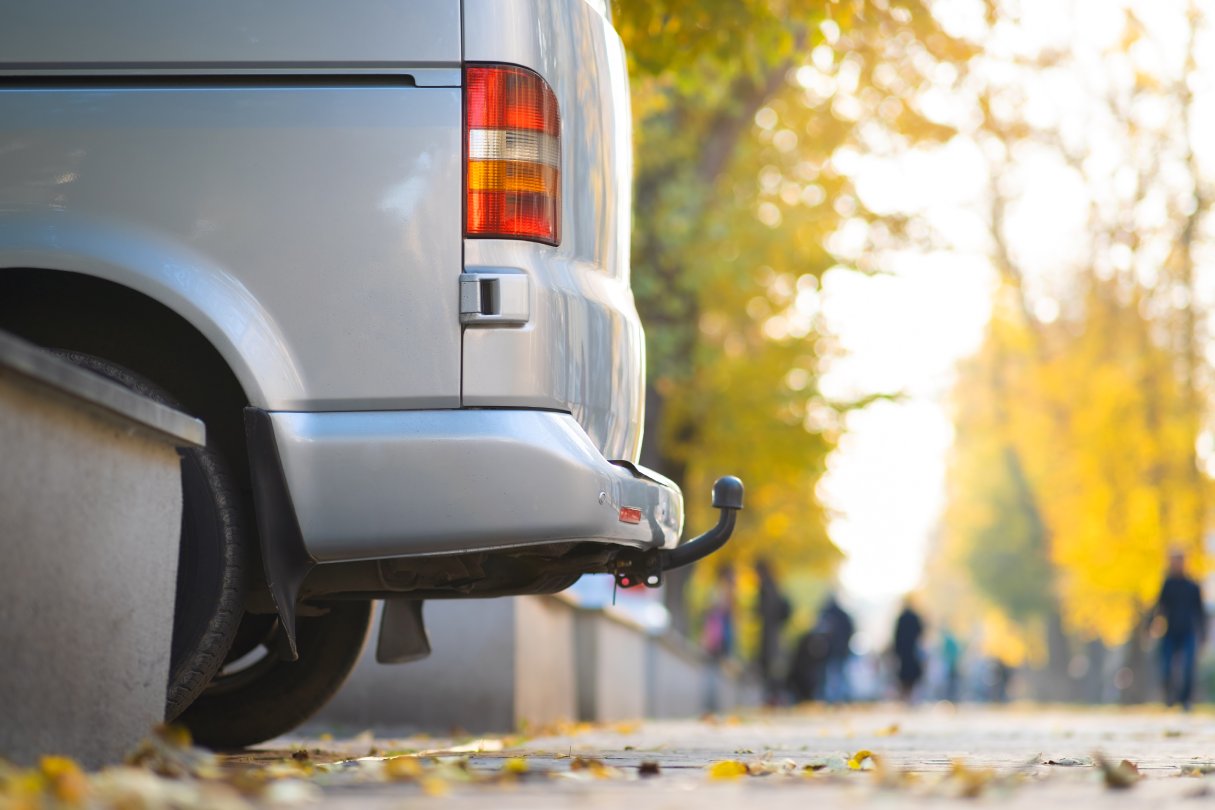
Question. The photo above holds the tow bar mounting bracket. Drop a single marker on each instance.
(647, 567)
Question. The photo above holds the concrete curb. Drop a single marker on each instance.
(90, 517)
(529, 662)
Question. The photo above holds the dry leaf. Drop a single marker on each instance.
(889, 777)
(515, 765)
(1069, 762)
(1121, 776)
(66, 782)
(648, 768)
(728, 769)
(970, 782)
(766, 767)
(857, 761)
(435, 786)
(595, 767)
(1201, 769)
(403, 769)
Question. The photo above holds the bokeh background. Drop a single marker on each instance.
(936, 279)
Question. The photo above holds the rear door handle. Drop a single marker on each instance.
(495, 296)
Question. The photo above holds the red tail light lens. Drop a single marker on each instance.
(512, 148)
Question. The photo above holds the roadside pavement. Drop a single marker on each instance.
(882, 756)
(1017, 756)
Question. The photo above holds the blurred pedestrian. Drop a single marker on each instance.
(717, 635)
(1180, 606)
(774, 610)
(951, 657)
(908, 629)
(808, 668)
(837, 628)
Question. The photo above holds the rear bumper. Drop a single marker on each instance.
(375, 485)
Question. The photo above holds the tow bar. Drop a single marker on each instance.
(647, 567)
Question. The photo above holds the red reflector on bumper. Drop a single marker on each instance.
(630, 515)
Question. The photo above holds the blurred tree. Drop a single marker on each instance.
(742, 110)
(1104, 386)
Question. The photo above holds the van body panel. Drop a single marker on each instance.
(335, 208)
(583, 350)
(180, 33)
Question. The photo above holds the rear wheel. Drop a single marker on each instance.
(211, 565)
(259, 694)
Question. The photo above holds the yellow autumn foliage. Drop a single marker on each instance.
(1076, 444)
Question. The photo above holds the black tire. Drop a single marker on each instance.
(261, 695)
(212, 567)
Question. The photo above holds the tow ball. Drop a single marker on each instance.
(646, 568)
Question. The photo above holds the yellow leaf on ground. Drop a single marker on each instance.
(434, 786)
(857, 761)
(403, 769)
(515, 765)
(727, 769)
(65, 780)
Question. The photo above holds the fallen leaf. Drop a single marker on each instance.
(435, 786)
(648, 768)
(169, 752)
(514, 765)
(857, 761)
(768, 767)
(1118, 777)
(66, 782)
(834, 763)
(728, 769)
(970, 782)
(403, 769)
(1070, 762)
(595, 767)
(1201, 769)
(889, 777)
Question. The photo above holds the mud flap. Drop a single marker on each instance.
(284, 558)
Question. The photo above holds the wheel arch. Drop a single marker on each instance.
(66, 251)
(83, 313)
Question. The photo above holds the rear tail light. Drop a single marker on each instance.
(512, 148)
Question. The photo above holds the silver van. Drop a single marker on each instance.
(381, 248)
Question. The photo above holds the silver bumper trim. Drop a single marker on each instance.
(374, 485)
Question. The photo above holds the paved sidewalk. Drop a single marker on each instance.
(1014, 756)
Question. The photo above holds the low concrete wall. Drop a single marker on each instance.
(90, 516)
(546, 688)
(676, 673)
(496, 665)
(610, 652)
(531, 661)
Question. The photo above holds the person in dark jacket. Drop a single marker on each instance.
(908, 629)
(1180, 606)
(837, 628)
(773, 609)
(807, 670)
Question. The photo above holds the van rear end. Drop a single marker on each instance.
(380, 247)
(295, 180)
